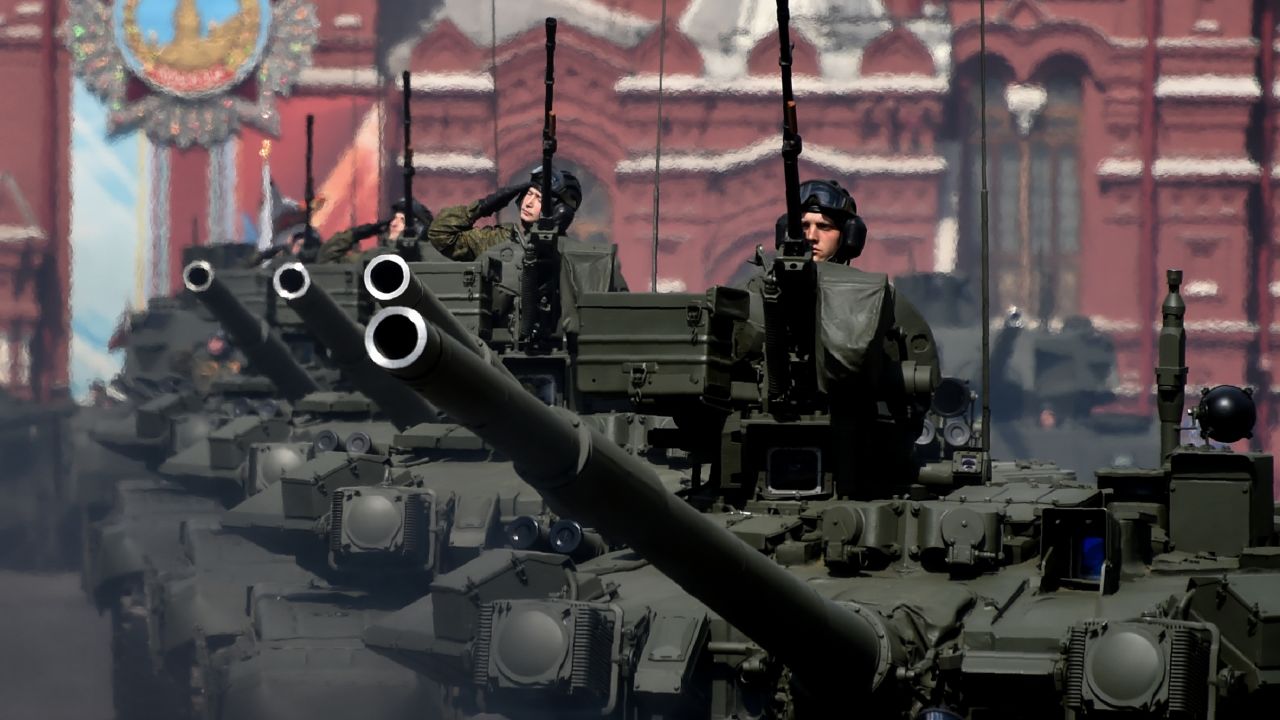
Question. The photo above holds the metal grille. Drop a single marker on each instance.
(1073, 689)
(480, 648)
(591, 661)
(414, 540)
(1188, 674)
(335, 523)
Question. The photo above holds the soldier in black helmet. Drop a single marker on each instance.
(454, 232)
(388, 231)
(296, 248)
(830, 222)
(837, 234)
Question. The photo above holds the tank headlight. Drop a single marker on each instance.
(928, 433)
(957, 432)
(359, 443)
(525, 533)
(325, 441)
(266, 409)
(569, 538)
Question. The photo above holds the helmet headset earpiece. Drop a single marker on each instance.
(833, 201)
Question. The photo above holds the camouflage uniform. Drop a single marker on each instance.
(271, 258)
(336, 247)
(454, 234)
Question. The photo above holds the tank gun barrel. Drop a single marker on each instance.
(392, 283)
(343, 337)
(583, 475)
(250, 333)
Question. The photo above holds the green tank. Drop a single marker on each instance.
(950, 592)
(1051, 387)
(353, 526)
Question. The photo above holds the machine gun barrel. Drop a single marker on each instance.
(585, 476)
(549, 118)
(391, 282)
(539, 292)
(265, 351)
(343, 336)
(408, 169)
(309, 193)
(791, 142)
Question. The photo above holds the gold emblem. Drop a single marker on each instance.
(192, 61)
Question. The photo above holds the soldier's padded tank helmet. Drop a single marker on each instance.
(310, 236)
(567, 191)
(828, 198)
(420, 211)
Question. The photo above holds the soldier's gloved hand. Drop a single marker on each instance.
(498, 200)
(361, 232)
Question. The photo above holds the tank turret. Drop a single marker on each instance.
(264, 350)
(344, 338)
(585, 476)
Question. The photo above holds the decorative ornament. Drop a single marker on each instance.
(193, 71)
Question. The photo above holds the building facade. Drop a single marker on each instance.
(1125, 137)
(35, 208)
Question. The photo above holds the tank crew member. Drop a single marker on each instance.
(830, 221)
(454, 233)
(831, 224)
(336, 248)
(295, 249)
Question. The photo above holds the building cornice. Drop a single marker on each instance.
(1208, 87)
(450, 162)
(831, 158)
(367, 78)
(1180, 168)
(770, 85)
(20, 233)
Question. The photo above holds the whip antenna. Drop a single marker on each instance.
(984, 231)
(657, 155)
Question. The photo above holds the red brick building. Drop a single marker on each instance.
(35, 208)
(1126, 136)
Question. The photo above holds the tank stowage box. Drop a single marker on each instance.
(343, 283)
(464, 288)
(1206, 488)
(656, 349)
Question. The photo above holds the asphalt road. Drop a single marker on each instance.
(55, 651)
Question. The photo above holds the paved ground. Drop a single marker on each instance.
(55, 651)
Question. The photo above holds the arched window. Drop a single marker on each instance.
(1033, 175)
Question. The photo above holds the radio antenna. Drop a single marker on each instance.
(984, 230)
(657, 154)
